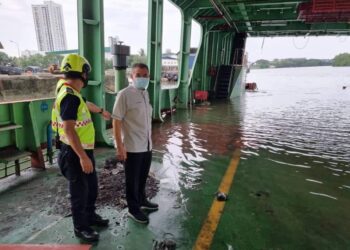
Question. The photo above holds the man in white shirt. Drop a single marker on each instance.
(132, 118)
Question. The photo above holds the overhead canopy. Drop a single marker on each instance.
(272, 17)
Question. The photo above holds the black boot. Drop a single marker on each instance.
(150, 206)
(96, 220)
(86, 234)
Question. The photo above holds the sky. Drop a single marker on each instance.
(127, 19)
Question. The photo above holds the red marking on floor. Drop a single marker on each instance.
(43, 247)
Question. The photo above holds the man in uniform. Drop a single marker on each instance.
(71, 119)
(132, 117)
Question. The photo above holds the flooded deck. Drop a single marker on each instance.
(289, 147)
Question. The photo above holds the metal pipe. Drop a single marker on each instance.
(119, 81)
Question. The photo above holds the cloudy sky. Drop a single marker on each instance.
(127, 19)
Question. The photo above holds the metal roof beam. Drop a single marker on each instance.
(222, 10)
(262, 3)
(244, 13)
(292, 27)
(201, 4)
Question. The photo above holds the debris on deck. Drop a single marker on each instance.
(111, 189)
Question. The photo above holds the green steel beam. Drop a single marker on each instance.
(154, 53)
(255, 16)
(201, 4)
(91, 46)
(245, 16)
(298, 26)
(227, 15)
(186, 26)
(264, 3)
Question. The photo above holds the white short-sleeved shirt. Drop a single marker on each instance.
(133, 108)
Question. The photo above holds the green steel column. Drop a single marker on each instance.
(119, 82)
(91, 46)
(217, 49)
(154, 53)
(225, 46)
(212, 46)
(197, 68)
(228, 49)
(205, 59)
(186, 26)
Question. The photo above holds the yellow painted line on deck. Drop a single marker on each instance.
(210, 225)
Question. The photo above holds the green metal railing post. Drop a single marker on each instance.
(91, 46)
(154, 53)
(186, 26)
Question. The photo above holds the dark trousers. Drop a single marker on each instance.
(82, 187)
(137, 167)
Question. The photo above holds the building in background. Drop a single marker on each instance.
(49, 26)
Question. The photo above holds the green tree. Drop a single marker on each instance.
(262, 64)
(342, 60)
(43, 61)
(4, 58)
(108, 64)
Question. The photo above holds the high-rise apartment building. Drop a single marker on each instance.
(49, 26)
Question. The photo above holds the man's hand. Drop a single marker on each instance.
(106, 115)
(121, 153)
(86, 165)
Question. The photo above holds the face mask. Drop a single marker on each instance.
(141, 82)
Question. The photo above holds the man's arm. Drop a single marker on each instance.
(74, 142)
(119, 112)
(117, 132)
(96, 109)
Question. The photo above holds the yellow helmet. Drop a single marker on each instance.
(75, 64)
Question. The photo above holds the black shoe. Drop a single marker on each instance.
(96, 220)
(86, 234)
(138, 217)
(150, 206)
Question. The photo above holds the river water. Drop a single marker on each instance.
(301, 112)
(292, 186)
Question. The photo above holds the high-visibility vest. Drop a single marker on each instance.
(59, 84)
(83, 126)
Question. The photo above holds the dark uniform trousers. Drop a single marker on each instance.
(82, 187)
(137, 166)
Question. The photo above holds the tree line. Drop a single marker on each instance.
(340, 60)
(45, 61)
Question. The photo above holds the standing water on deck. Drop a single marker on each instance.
(292, 186)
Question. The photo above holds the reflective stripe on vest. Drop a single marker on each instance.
(83, 126)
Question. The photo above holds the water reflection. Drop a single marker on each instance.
(296, 121)
(185, 145)
(302, 119)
